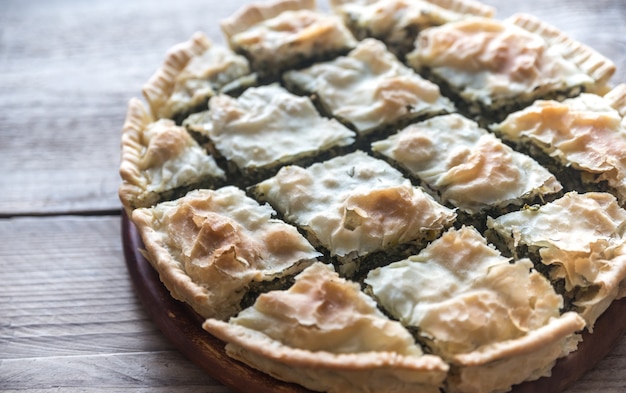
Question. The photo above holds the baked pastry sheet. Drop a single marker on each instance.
(389, 196)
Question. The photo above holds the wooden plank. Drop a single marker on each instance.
(66, 291)
(68, 69)
(150, 372)
(69, 317)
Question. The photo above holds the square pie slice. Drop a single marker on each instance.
(267, 127)
(494, 66)
(497, 323)
(466, 165)
(586, 134)
(359, 208)
(581, 237)
(325, 334)
(216, 249)
(397, 22)
(285, 34)
(193, 71)
(370, 89)
(160, 160)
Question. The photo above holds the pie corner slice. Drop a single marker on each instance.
(283, 34)
(325, 334)
(160, 159)
(590, 61)
(191, 73)
(133, 180)
(580, 239)
(252, 14)
(217, 249)
(581, 139)
(500, 366)
(471, 7)
(397, 22)
(477, 310)
(513, 63)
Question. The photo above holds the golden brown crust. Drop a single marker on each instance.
(161, 85)
(597, 66)
(590, 253)
(324, 327)
(159, 158)
(208, 253)
(468, 7)
(501, 374)
(172, 275)
(252, 14)
(285, 34)
(266, 347)
(564, 326)
(137, 119)
(617, 98)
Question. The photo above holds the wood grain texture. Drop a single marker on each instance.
(69, 316)
(67, 71)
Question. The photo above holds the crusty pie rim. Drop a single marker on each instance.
(159, 88)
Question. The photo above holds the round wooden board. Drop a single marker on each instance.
(183, 328)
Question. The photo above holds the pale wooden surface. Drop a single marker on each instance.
(69, 319)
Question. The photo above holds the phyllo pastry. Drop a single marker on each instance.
(356, 207)
(586, 134)
(160, 160)
(217, 249)
(397, 22)
(581, 238)
(496, 322)
(194, 71)
(325, 334)
(466, 165)
(370, 89)
(284, 34)
(264, 128)
(495, 66)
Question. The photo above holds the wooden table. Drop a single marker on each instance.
(69, 317)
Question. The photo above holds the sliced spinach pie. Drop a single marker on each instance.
(384, 195)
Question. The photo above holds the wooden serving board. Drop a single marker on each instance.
(182, 326)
